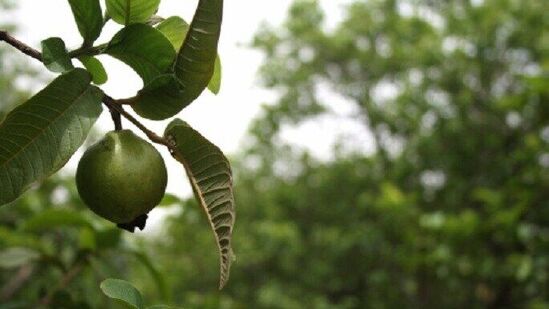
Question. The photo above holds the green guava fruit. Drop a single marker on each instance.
(121, 177)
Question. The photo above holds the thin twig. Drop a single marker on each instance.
(87, 51)
(22, 47)
(111, 103)
(116, 119)
(16, 283)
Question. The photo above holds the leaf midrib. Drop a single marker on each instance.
(4, 165)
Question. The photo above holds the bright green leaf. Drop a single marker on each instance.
(143, 48)
(15, 238)
(174, 29)
(55, 55)
(126, 12)
(86, 239)
(96, 69)
(123, 291)
(55, 218)
(88, 17)
(15, 257)
(215, 83)
(210, 175)
(38, 137)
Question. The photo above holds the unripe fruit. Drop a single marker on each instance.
(121, 177)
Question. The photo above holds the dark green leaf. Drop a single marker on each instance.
(54, 218)
(38, 137)
(15, 257)
(210, 175)
(88, 17)
(143, 48)
(194, 67)
(55, 55)
(123, 291)
(175, 30)
(195, 62)
(96, 69)
(126, 12)
(159, 99)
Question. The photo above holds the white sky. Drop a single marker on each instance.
(224, 118)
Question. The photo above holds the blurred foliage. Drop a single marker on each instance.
(450, 211)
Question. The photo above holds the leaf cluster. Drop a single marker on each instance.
(176, 60)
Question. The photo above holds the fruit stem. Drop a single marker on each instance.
(116, 118)
(155, 138)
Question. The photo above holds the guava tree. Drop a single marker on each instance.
(122, 177)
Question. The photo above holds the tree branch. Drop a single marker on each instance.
(22, 47)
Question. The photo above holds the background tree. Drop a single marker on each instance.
(451, 210)
(51, 250)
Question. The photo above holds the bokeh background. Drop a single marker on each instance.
(387, 154)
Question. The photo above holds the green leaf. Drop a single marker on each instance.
(195, 62)
(174, 29)
(38, 137)
(15, 257)
(88, 17)
(215, 83)
(143, 48)
(210, 175)
(55, 218)
(194, 67)
(159, 99)
(96, 69)
(126, 12)
(55, 55)
(163, 307)
(123, 291)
